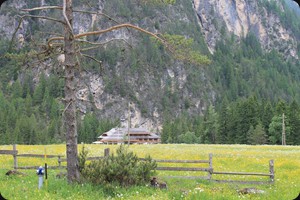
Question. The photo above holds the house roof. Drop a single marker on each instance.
(118, 135)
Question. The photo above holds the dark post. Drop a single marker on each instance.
(210, 167)
(272, 172)
(283, 131)
(15, 156)
(106, 152)
(46, 171)
(59, 164)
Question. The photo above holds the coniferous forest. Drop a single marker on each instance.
(249, 110)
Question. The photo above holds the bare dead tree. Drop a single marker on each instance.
(69, 43)
(70, 122)
(70, 61)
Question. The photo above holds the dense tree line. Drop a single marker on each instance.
(245, 121)
(255, 89)
(32, 114)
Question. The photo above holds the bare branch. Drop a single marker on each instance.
(42, 8)
(119, 27)
(44, 17)
(33, 16)
(62, 8)
(91, 57)
(66, 107)
(14, 34)
(91, 48)
(66, 18)
(109, 30)
(54, 39)
(57, 44)
(88, 3)
(42, 56)
(39, 61)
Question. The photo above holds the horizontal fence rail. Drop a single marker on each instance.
(209, 169)
(271, 175)
(88, 158)
(243, 173)
(181, 161)
(182, 169)
(9, 152)
(36, 167)
(38, 155)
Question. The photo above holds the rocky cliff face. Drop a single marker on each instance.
(148, 90)
(143, 93)
(241, 17)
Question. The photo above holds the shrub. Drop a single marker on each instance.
(82, 159)
(124, 169)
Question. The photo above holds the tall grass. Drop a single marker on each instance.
(239, 158)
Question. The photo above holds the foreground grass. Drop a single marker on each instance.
(240, 158)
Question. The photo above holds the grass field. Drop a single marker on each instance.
(239, 158)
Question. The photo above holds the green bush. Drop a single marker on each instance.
(125, 169)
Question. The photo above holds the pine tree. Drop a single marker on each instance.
(28, 86)
(257, 135)
(211, 126)
(17, 91)
(166, 131)
(188, 138)
(248, 116)
(266, 117)
(88, 129)
(17, 138)
(293, 117)
(275, 130)
(47, 103)
(223, 121)
(38, 94)
(28, 105)
(233, 133)
(281, 107)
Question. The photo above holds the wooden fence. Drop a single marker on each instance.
(208, 169)
(16, 154)
(209, 166)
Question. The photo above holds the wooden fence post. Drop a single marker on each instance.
(59, 161)
(210, 171)
(272, 172)
(15, 156)
(106, 152)
(59, 165)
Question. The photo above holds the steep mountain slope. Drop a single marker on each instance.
(136, 69)
(241, 17)
(141, 73)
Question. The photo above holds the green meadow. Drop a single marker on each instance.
(226, 158)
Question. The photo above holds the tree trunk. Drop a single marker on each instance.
(70, 123)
